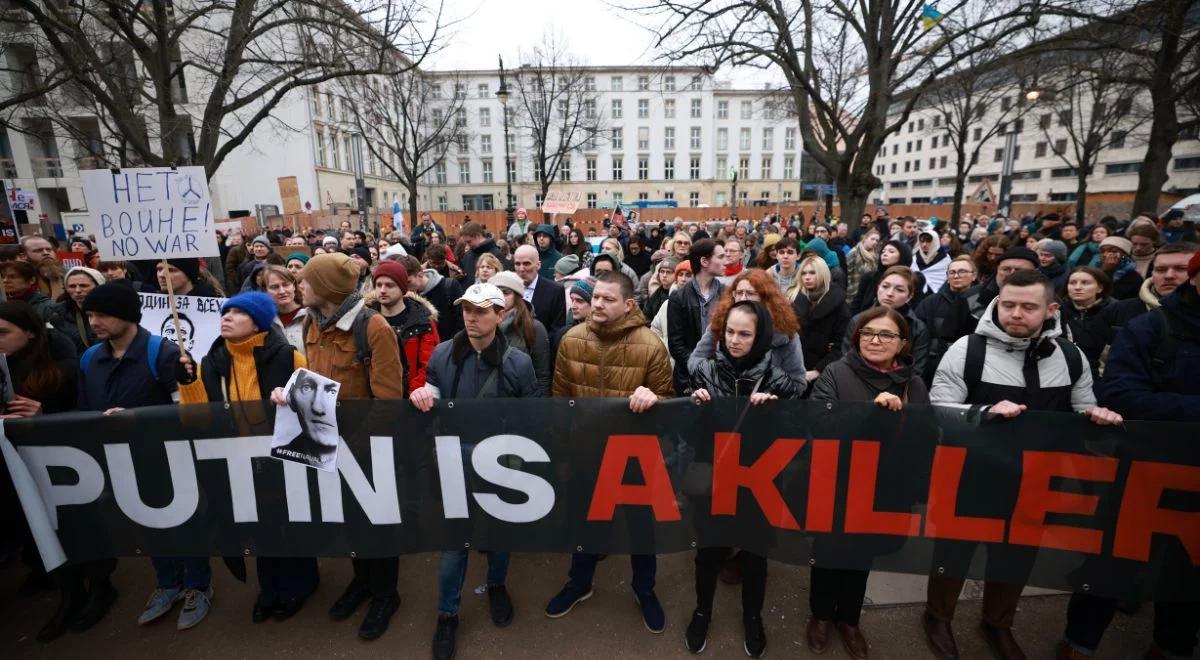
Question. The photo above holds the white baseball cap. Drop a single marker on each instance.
(395, 250)
(483, 295)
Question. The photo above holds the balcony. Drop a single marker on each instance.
(8, 168)
(47, 168)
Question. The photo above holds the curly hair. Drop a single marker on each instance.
(782, 315)
(981, 252)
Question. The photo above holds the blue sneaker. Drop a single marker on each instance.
(566, 600)
(652, 611)
(161, 601)
(196, 604)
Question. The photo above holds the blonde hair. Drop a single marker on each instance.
(488, 258)
(620, 249)
(823, 274)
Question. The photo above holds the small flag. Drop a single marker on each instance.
(930, 17)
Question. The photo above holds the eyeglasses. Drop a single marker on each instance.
(959, 273)
(884, 337)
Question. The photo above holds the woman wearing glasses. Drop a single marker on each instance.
(878, 368)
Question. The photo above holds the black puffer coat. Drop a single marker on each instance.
(852, 379)
(721, 379)
(822, 326)
(1091, 330)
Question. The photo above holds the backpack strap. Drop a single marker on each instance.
(153, 348)
(973, 367)
(1071, 353)
(496, 372)
(362, 345)
(85, 360)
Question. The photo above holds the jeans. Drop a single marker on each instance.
(453, 572)
(754, 579)
(583, 569)
(837, 594)
(182, 572)
(1175, 624)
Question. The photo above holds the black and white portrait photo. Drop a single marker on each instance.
(187, 331)
(306, 430)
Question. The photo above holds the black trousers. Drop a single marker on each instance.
(379, 575)
(287, 577)
(837, 594)
(754, 579)
(1175, 624)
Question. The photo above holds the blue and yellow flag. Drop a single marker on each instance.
(930, 17)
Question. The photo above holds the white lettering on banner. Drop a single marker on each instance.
(380, 503)
(237, 454)
(295, 486)
(451, 477)
(486, 461)
(185, 492)
(86, 490)
(150, 213)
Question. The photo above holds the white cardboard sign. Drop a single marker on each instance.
(150, 213)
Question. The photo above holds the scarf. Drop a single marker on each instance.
(324, 324)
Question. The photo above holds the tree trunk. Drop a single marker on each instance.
(960, 187)
(1080, 196)
(412, 205)
(1164, 131)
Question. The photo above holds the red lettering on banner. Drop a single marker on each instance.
(941, 520)
(611, 492)
(759, 477)
(1036, 499)
(1140, 516)
(822, 485)
(861, 516)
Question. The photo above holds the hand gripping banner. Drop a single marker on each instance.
(1047, 499)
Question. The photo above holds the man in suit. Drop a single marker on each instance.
(547, 297)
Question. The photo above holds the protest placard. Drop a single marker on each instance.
(306, 429)
(561, 202)
(150, 213)
(199, 321)
(8, 225)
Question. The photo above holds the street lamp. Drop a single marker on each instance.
(733, 177)
(502, 94)
(1010, 152)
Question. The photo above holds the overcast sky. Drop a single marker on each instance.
(595, 31)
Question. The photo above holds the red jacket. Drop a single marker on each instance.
(417, 336)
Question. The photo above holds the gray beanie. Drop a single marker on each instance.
(1058, 249)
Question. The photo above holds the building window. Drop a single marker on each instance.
(747, 109)
(695, 84)
(998, 155)
(694, 168)
(916, 166)
(1117, 141)
(643, 196)
(643, 83)
(766, 167)
(908, 147)
(485, 144)
(1060, 146)
(1039, 149)
(617, 111)
(768, 141)
(932, 162)
(789, 139)
(895, 148)
(977, 135)
(695, 137)
(439, 173)
(722, 167)
(1123, 168)
(591, 169)
(617, 165)
(669, 83)
(669, 168)
(643, 142)
(617, 84)
(336, 144)
(464, 171)
(485, 118)
(787, 195)
(564, 169)
(461, 141)
(618, 197)
(743, 168)
(696, 107)
(693, 199)
(722, 139)
(893, 168)
(643, 108)
(669, 195)
(669, 108)
(669, 138)
(512, 170)
(487, 171)
(643, 169)
(920, 124)
(618, 139)
(1187, 163)
(744, 139)
(722, 109)
(907, 166)
(443, 205)
(943, 161)
(319, 135)
(1064, 118)
(510, 142)
(1062, 173)
(789, 165)
(589, 84)
(591, 200)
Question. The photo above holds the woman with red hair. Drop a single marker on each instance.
(758, 286)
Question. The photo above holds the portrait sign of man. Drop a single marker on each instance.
(306, 431)
(186, 328)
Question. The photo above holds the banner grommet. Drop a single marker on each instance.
(450, 405)
(353, 555)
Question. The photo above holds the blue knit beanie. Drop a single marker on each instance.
(257, 305)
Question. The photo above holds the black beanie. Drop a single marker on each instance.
(114, 299)
(190, 267)
(1021, 252)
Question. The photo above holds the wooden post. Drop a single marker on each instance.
(174, 308)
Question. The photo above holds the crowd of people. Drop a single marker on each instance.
(1003, 314)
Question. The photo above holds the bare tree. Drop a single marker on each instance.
(848, 66)
(407, 123)
(556, 103)
(1161, 43)
(189, 82)
(1088, 104)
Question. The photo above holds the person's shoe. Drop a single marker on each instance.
(100, 598)
(1002, 642)
(853, 640)
(940, 636)
(1064, 651)
(69, 605)
(652, 611)
(379, 614)
(160, 602)
(756, 637)
(35, 583)
(264, 606)
(287, 608)
(816, 634)
(731, 570)
(349, 602)
(566, 600)
(500, 605)
(696, 636)
(196, 604)
(443, 639)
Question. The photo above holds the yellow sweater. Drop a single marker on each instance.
(243, 385)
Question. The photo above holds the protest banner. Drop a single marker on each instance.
(199, 321)
(558, 201)
(8, 223)
(1047, 499)
(70, 260)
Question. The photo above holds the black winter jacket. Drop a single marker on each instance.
(822, 326)
(1090, 329)
(852, 379)
(721, 379)
(947, 318)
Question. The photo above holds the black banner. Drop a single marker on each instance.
(1048, 499)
